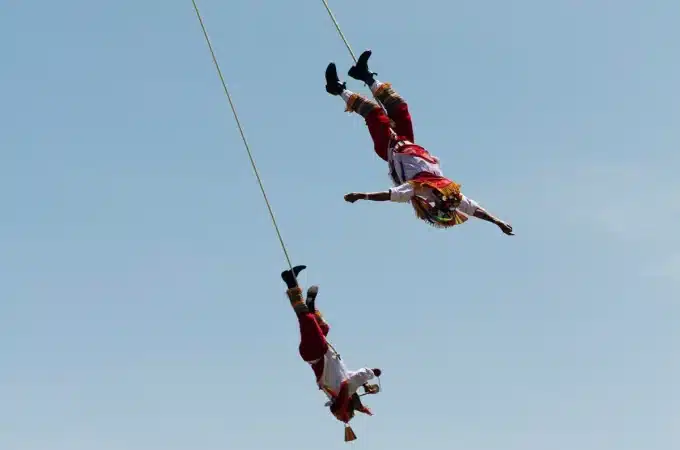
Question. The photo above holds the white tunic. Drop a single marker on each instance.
(404, 167)
(335, 373)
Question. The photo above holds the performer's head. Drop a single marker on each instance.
(337, 411)
(440, 214)
(354, 404)
(446, 203)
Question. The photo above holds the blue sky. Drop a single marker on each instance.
(141, 302)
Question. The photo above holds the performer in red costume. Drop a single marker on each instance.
(339, 384)
(416, 174)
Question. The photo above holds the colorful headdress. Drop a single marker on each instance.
(440, 214)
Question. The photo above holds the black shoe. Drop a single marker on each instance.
(333, 85)
(290, 278)
(312, 292)
(360, 70)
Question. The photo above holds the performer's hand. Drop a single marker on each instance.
(505, 228)
(371, 388)
(353, 197)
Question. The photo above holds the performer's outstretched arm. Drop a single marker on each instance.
(399, 194)
(361, 377)
(373, 196)
(482, 214)
(472, 208)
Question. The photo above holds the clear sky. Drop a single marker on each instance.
(140, 301)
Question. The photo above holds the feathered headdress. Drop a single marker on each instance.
(436, 215)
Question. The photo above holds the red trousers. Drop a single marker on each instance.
(379, 126)
(313, 344)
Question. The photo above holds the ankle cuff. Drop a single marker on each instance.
(360, 105)
(294, 292)
(381, 89)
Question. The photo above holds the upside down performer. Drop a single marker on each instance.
(416, 174)
(339, 384)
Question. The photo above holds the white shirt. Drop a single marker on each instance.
(404, 167)
(405, 192)
(335, 372)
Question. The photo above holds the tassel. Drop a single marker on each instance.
(349, 434)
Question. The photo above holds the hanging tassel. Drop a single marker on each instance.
(349, 434)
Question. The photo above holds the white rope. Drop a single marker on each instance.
(245, 143)
(243, 137)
